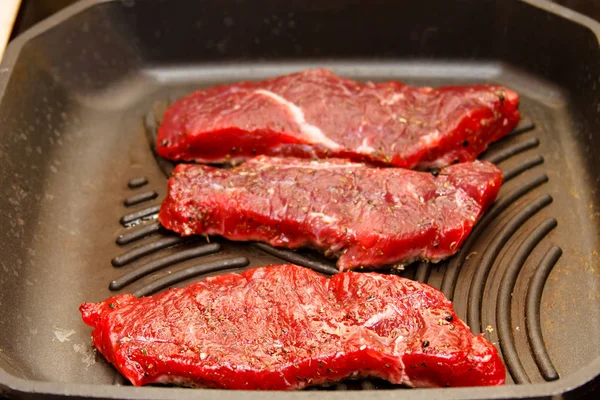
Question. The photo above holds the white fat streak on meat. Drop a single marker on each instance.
(365, 337)
(177, 380)
(313, 133)
(393, 99)
(320, 165)
(364, 147)
(398, 343)
(343, 85)
(325, 218)
(387, 100)
(431, 139)
(413, 190)
(376, 318)
(216, 186)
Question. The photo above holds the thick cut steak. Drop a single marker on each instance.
(317, 114)
(365, 216)
(287, 327)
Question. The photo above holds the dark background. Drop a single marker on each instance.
(33, 11)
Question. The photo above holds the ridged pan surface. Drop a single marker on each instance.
(82, 185)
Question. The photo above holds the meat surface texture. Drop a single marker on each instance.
(287, 327)
(317, 114)
(368, 217)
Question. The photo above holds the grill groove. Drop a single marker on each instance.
(455, 264)
(143, 250)
(191, 272)
(138, 182)
(503, 305)
(519, 147)
(295, 258)
(136, 217)
(140, 198)
(163, 262)
(522, 167)
(422, 272)
(490, 254)
(532, 314)
(525, 125)
(138, 233)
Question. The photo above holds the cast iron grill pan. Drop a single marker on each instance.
(81, 97)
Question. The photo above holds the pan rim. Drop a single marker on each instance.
(581, 380)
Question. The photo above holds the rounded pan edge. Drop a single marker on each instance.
(567, 13)
(575, 384)
(14, 46)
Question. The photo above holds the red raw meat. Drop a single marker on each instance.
(366, 216)
(317, 114)
(287, 327)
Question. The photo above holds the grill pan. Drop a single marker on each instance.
(81, 95)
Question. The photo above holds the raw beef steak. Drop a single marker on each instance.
(368, 217)
(287, 327)
(317, 114)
